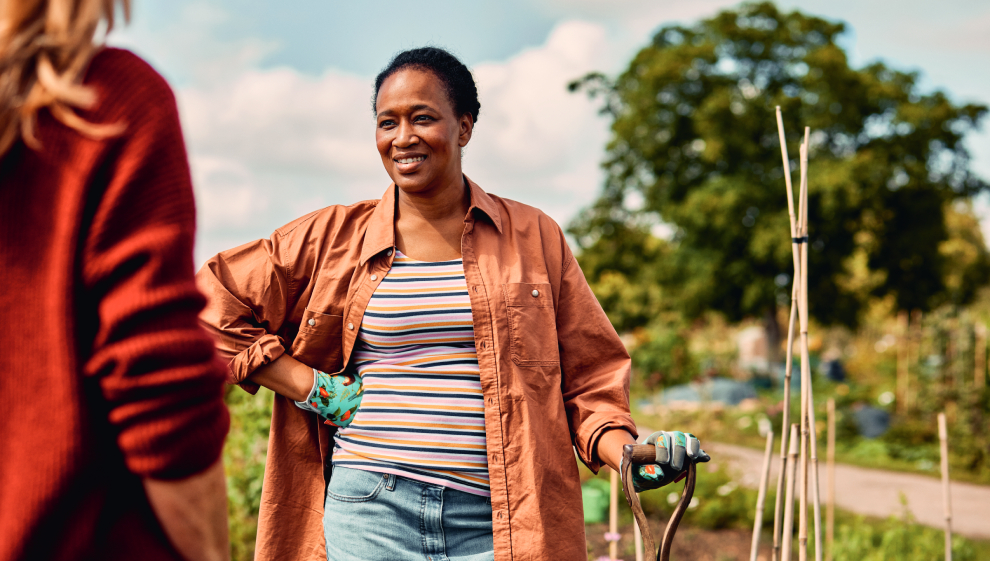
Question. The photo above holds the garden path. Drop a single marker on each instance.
(874, 492)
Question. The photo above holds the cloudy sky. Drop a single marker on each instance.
(274, 96)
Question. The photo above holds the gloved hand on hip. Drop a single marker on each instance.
(675, 451)
(334, 397)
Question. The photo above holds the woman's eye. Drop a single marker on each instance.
(386, 123)
(422, 118)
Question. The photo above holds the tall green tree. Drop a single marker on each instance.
(694, 147)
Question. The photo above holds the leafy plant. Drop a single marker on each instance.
(900, 537)
(244, 460)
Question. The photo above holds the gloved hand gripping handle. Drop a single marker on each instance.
(640, 454)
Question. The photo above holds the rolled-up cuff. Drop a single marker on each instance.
(305, 405)
(586, 439)
(183, 442)
(264, 351)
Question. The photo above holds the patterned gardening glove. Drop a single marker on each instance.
(674, 450)
(334, 397)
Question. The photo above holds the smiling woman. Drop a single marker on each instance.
(447, 336)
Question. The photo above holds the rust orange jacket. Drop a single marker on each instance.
(553, 371)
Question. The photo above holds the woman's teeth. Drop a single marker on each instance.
(411, 160)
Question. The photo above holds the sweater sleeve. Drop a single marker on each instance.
(156, 367)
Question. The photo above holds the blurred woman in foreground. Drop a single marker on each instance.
(112, 420)
(451, 337)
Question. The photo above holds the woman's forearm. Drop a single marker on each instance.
(193, 513)
(610, 445)
(285, 376)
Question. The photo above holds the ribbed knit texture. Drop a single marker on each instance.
(423, 412)
(105, 375)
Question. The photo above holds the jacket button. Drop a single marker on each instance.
(536, 293)
(350, 326)
(311, 321)
(388, 253)
(374, 277)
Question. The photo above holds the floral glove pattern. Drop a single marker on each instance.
(674, 450)
(335, 397)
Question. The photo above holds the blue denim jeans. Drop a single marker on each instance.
(383, 517)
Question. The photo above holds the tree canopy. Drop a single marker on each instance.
(694, 149)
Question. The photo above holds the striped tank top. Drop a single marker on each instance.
(423, 413)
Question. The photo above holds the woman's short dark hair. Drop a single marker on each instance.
(456, 78)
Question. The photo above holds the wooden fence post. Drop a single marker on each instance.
(830, 478)
(943, 438)
(761, 498)
(613, 515)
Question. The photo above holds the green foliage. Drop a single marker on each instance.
(695, 147)
(912, 439)
(244, 460)
(899, 538)
(719, 501)
(663, 356)
(628, 292)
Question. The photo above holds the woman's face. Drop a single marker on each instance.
(418, 134)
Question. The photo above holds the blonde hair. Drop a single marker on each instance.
(45, 48)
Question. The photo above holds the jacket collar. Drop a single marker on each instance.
(380, 234)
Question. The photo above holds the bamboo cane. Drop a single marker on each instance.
(943, 438)
(761, 497)
(790, 344)
(980, 357)
(613, 515)
(787, 536)
(830, 478)
(813, 436)
(779, 501)
(803, 318)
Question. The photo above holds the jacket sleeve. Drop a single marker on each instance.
(247, 289)
(155, 367)
(594, 364)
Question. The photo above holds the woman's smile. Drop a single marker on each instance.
(406, 165)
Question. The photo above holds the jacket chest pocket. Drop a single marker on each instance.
(532, 324)
(319, 342)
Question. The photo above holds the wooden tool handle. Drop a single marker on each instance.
(640, 454)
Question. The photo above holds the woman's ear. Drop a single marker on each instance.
(466, 129)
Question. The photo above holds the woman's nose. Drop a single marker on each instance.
(405, 135)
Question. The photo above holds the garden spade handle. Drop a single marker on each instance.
(639, 454)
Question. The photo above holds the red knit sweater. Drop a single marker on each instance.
(105, 374)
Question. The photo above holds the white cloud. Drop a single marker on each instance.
(184, 41)
(269, 145)
(283, 119)
(536, 142)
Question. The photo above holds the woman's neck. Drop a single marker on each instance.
(429, 224)
(450, 201)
